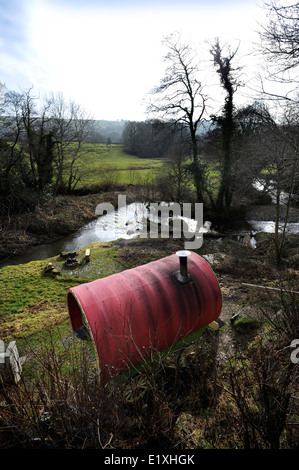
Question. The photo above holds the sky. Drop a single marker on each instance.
(106, 55)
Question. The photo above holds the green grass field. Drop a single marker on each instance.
(33, 300)
(108, 163)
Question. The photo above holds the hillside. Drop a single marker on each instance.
(108, 131)
(111, 131)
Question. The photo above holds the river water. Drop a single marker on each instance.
(105, 228)
(126, 223)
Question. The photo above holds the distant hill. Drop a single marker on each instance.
(103, 131)
(108, 131)
(111, 131)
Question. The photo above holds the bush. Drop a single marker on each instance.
(60, 402)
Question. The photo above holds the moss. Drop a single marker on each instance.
(246, 324)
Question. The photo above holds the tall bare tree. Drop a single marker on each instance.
(71, 126)
(284, 172)
(181, 99)
(226, 121)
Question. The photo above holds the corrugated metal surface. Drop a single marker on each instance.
(146, 308)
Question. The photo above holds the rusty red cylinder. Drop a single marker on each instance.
(144, 309)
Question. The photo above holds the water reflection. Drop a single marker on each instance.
(103, 229)
(126, 223)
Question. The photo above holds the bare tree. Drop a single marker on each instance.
(27, 127)
(279, 45)
(284, 172)
(280, 36)
(71, 126)
(274, 147)
(41, 142)
(180, 98)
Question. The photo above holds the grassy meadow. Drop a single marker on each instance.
(101, 163)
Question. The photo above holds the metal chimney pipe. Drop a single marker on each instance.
(182, 275)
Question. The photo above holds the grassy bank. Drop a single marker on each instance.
(108, 163)
(33, 299)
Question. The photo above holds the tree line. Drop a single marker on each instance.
(40, 147)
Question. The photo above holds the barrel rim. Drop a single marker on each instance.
(86, 323)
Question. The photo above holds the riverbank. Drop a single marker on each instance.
(65, 215)
(54, 219)
(267, 212)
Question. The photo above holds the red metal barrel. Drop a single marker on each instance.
(147, 308)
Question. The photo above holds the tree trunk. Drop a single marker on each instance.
(197, 171)
(224, 196)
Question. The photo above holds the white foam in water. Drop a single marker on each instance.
(268, 226)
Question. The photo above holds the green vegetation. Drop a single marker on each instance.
(245, 324)
(109, 163)
(32, 300)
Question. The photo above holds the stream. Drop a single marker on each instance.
(126, 223)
